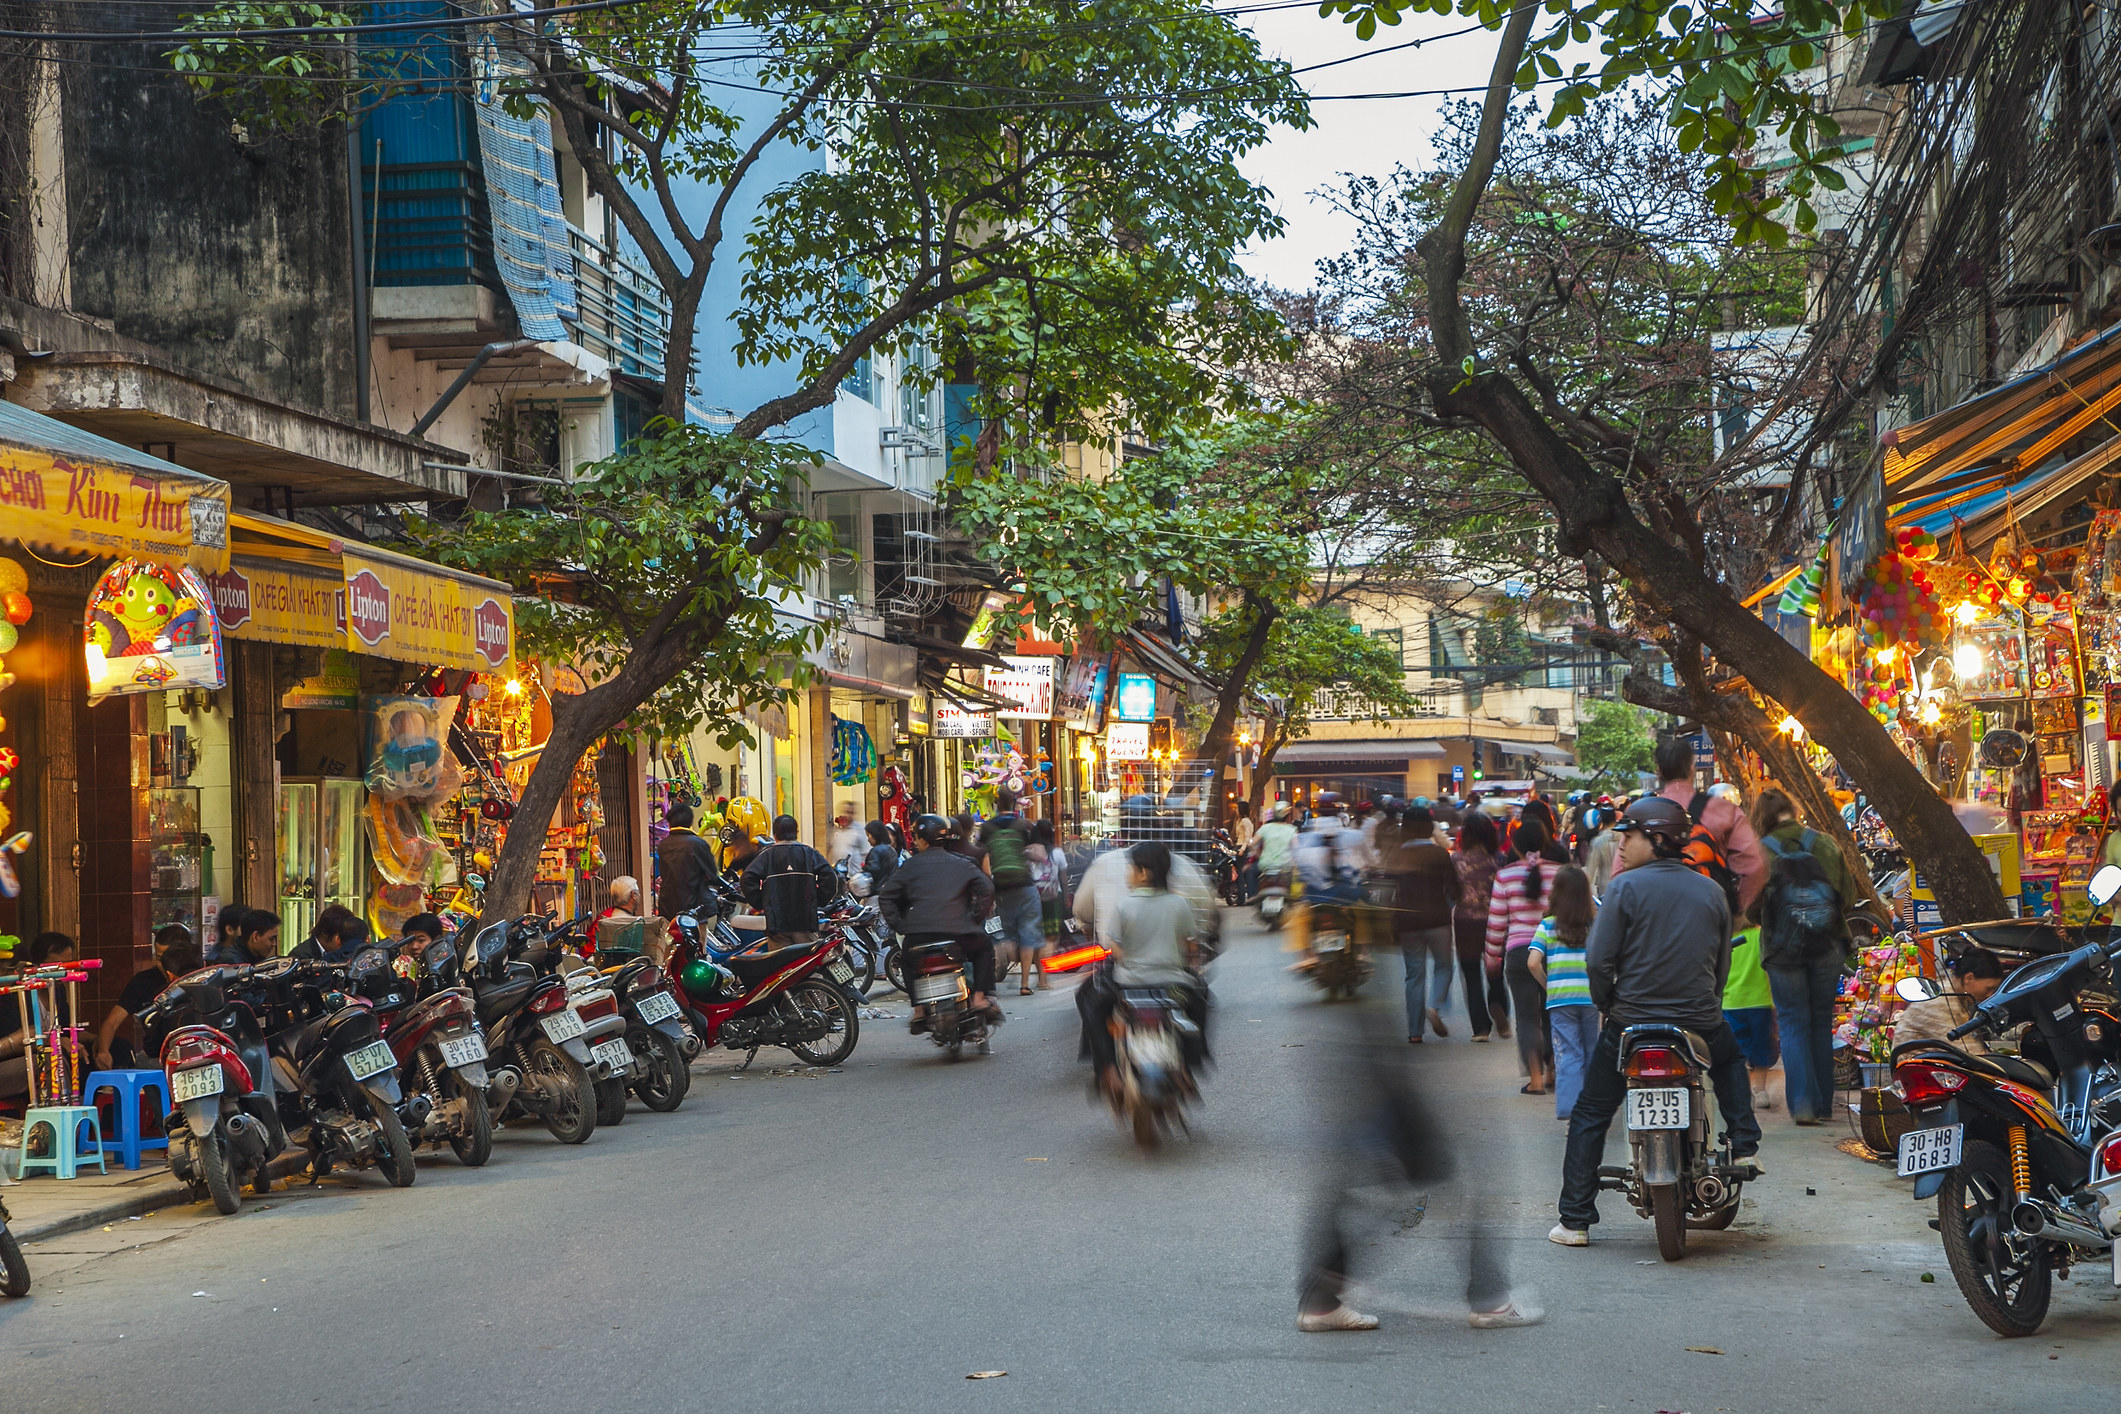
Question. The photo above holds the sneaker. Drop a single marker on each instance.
(1436, 1022)
(1481, 1037)
(1341, 1318)
(1511, 1313)
(1563, 1235)
(1760, 1100)
(1751, 1161)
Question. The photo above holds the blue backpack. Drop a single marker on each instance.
(1803, 913)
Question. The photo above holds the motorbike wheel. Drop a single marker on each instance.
(1146, 1135)
(1717, 1221)
(895, 969)
(1668, 1211)
(395, 1160)
(611, 1100)
(665, 1078)
(814, 996)
(210, 1159)
(475, 1148)
(2008, 1284)
(572, 1115)
(863, 961)
(14, 1272)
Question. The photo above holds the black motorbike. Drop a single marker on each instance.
(942, 996)
(335, 1079)
(14, 1272)
(1226, 869)
(1156, 1049)
(1676, 1178)
(538, 1061)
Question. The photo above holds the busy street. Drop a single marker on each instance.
(874, 1235)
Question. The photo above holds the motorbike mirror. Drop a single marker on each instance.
(1915, 989)
(2105, 884)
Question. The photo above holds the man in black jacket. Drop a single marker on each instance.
(939, 896)
(786, 881)
(685, 862)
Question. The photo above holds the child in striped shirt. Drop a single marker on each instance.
(1557, 960)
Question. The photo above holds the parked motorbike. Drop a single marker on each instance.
(795, 997)
(870, 949)
(2023, 1155)
(656, 1033)
(941, 1000)
(1226, 869)
(335, 1079)
(538, 1061)
(442, 1055)
(14, 1272)
(1273, 899)
(1334, 960)
(222, 1123)
(1674, 1176)
(1155, 1045)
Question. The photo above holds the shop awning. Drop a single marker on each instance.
(1983, 512)
(1367, 756)
(1160, 657)
(1541, 750)
(2002, 435)
(67, 490)
(288, 583)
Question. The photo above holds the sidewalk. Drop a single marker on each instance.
(42, 1206)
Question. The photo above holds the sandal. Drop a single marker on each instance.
(1526, 1089)
(1023, 991)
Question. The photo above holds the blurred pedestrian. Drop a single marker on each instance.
(1803, 938)
(1514, 913)
(1049, 875)
(1475, 862)
(1005, 841)
(848, 841)
(1749, 1006)
(1555, 957)
(1423, 885)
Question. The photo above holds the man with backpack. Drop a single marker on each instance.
(1722, 844)
(1803, 940)
(1005, 843)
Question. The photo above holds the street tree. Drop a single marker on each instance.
(1557, 295)
(1614, 745)
(1054, 202)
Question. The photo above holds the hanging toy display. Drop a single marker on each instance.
(893, 798)
(15, 601)
(1899, 605)
(853, 753)
(148, 627)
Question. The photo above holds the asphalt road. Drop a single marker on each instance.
(866, 1239)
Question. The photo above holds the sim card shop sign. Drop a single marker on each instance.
(418, 613)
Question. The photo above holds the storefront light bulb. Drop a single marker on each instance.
(1967, 611)
(1791, 728)
(514, 687)
(1966, 661)
(1885, 655)
(1931, 713)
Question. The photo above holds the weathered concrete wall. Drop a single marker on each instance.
(230, 255)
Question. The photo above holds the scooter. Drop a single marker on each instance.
(442, 1055)
(1273, 899)
(2023, 1158)
(795, 997)
(222, 1122)
(1226, 868)
(1155, 1045)
(662, 1044)
(1674, 1177)
(538, 1062)
(941, 999)
(335, 1079)
(1335, 959)
(14, 1272)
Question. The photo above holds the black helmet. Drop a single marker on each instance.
(1655, 815)
(931, 829)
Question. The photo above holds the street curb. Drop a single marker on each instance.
(150, 1200)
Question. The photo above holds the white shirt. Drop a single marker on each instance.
(1105, 885)
(848, 844)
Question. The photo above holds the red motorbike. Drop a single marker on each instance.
(442, 1055)
(795, 997)
(222, 1125)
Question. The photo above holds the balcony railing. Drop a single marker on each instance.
(625, 318)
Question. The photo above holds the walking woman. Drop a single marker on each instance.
(1519, 902)
(1802, 942)
(1487, 995)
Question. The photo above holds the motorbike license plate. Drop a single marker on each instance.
(562, 1026)
(372, 1059)
(934, 989)
(1658, 1109)
(195, 1084)
(1330, 942)
(1927, 1150)
(658, 1006)
(841, 972)
(613, 1053)
(464, 1050)
(1153, 1048)
(994, 925)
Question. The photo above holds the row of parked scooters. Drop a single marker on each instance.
(359, 1063)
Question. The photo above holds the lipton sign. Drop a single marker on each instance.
(419, 613)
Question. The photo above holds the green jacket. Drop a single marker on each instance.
(1786, 836)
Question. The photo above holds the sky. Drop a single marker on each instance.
(1362, 137)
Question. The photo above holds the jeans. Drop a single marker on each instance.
(1472, 940)
(1604, 1087)
(1427, 953)
(1804, 1015)
(1023, 921)
(1575, 1033)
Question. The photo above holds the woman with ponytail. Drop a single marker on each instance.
(1519, 903)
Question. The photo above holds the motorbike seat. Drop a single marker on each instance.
(1700, 1047)
(497, 998)
(752, 968)
(299, 1040)
(2016, 1069)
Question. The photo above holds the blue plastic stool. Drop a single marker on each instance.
(128, 1086)
(68, 1152)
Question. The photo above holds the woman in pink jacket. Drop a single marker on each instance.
(1519, 902)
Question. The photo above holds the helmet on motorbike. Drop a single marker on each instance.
(700, 977)
(1656, 816)
(931, 829)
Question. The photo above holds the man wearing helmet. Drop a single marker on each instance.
(940, 897)
(1659, 951)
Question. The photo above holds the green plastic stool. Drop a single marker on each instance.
(67, 1151)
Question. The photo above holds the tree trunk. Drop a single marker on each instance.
(1263, 773)
(575, 728)
(1215, 747)
(1593, 513)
